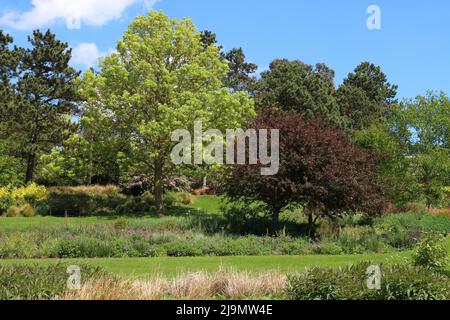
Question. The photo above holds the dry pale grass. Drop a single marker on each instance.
(440, 211)
(194, 286)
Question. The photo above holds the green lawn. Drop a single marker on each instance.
(209, 204)
(142, 267)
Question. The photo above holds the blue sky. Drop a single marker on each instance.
(412, 47)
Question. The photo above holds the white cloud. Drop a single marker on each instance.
(89, 12)
(87, 54)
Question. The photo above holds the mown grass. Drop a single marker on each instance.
(170, 267)
(208, 204)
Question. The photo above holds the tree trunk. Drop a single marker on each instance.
(159, 188)
(275, 220)
(311, 224)
(31, 163)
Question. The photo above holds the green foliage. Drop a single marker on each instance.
(24, 199)
(85, 200)
(6, 199)
(366, 96)
(183, 198)
(26, 211)
(36, 282)
(425, 124)
(360, 239)
(295, 86)
(11, 171)
(395, 170)
(162, 78)
(39, 117)
(239, 75)
(413, 221)
(431, 254)
(398, 282)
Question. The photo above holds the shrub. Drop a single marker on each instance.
(32, 194)
(327, 248)
(413, 221)
(359, 240)
(293, 247)
(430, 253)
(89, 247)
(68, 249)
(121, 224)
(398, 282)
(184, 198)
(84, 200)
(13, 212)
(182, 248)
(169, 200)
(24, 211)
(6, 199)
(36, 282)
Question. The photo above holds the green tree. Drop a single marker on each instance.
(162, 78)
(295, 86)
(365, 95)
(45, 96)
(427, 121)
(10, 164)
(395, 167)
(239, 77)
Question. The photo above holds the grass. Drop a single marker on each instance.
(209, 204)
(170, 267)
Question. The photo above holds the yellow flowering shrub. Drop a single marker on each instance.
(6, 199)
(31, 194)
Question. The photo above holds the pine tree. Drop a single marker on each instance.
(45, 98)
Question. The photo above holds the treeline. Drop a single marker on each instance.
(58, 127)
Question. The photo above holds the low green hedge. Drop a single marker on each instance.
(398, 282)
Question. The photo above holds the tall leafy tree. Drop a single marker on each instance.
(427, 121)
(162, 78)
(44, 85)
(320, 169)
(295, 86)
(365, 95)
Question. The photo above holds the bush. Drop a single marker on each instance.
(327, 248)
(398, 282)
(431, 254)
(6, 199)
(36, 282)
(183, 248)
(359, 240)
(24, 211)
(84, 200)
(32, 194)
(413, 221)
(88, 247)
(184, 198)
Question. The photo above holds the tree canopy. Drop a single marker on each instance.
(162, 78)
(320, 169)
